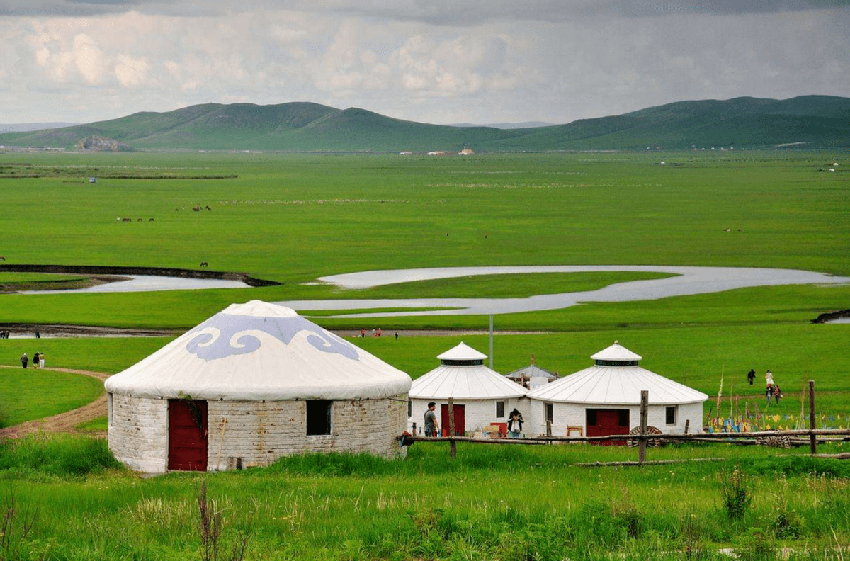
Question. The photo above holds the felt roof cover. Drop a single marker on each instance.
(616, 384)
(260, 351)
(469, 381)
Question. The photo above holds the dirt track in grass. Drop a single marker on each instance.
(68, 421)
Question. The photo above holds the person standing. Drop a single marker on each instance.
(777, 393)
(431, 425)
(24, 360)
(515, 424)
(41, 360)
(35, 359)
(768, 386)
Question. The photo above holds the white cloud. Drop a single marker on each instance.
(509, 66)
(88, 58)
(131, 71)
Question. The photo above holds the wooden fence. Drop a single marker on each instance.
(643, 438)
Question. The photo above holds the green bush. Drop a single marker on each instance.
(737, 496)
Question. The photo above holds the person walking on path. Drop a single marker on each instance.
(24, 360)
(431, 425)
(777, 393)
(41, 360)
(751, 376)
(35, 359)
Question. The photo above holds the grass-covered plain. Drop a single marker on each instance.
(27, 394)
(492, 502)
(295, 218)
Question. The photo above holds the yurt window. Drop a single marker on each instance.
(409, 408)
(500, 409)
(671, 415)
(318, 417)
(550, 413)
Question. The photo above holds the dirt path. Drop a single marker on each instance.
(63, 422)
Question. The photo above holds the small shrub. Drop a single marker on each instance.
(210, 526)
(16, 525)
(737, 496)
(787, 525)
(626, 514)
(759, 545)
(691, 536)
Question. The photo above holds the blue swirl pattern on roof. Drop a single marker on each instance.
(229, 342)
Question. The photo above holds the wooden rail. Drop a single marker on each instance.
(643, 438)
(704, 437)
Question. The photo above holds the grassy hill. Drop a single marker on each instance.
(745, 122)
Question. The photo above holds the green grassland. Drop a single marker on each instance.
(27, 394)
(494, 502)
(295, 218)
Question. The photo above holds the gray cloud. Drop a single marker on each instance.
(434, 12)
(415, 60)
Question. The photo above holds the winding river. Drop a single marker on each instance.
(148, 283)
(688, 281)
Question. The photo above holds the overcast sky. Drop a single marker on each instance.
(435, 61)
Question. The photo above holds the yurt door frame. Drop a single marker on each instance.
(460, 419)
(608, 422)
(188, 442)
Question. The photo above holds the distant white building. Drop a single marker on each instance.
(481, 396)
(604, 400)
(531, 376)
(251, 384)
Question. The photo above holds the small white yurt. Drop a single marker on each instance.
(604, 400)
(251, 384)
(531, 376)
(481, 396)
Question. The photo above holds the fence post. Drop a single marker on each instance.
(452, 425)
(644, 399)
(813, 440)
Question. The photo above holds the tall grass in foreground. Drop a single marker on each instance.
(54, 455)
(499, 503)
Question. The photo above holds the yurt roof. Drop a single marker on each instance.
(531, 371)
(462, 351)
(616, 385)
(464, 381)
(260, 351)
(615, 353)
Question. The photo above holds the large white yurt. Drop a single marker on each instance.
(251, 384)
(481, 396)
(604, 400)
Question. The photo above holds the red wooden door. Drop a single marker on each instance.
(460, 419)
(187, 435)
(607, 422)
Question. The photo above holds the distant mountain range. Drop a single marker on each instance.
(744, 122)
(24, 127)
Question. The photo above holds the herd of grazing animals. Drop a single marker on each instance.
(125, 219)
